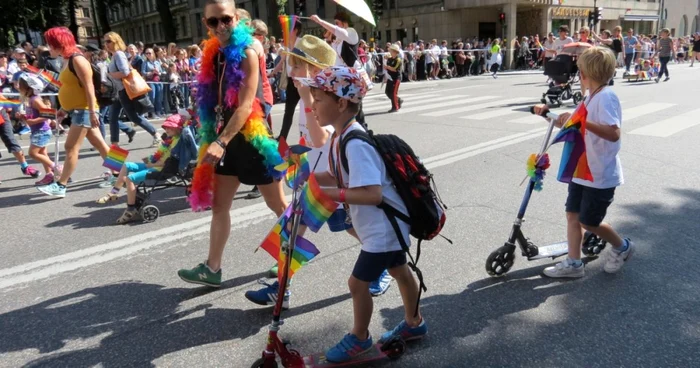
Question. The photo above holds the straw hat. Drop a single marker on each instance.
(395, 47)
(314, 51)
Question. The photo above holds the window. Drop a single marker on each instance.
(196, 3)
(321, 8)
(161, 34)
(200, 31)
(148, 33)
(183, 22)
(86, 12)
(388, 35)
(256, 9)
(89, 32)
(152, 5)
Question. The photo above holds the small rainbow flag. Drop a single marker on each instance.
(304, 250)
(287, 22)
(48, 77)
(574, 162)
(9, 104)
(299, 172)
(48, 113)
(316, 206)
(115, 158)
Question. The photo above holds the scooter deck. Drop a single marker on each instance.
(552, 251)
(318, 360)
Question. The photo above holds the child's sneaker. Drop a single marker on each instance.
(406, 332)
(380, 285)
(268, 295)
(202, 275)
(30, 171)
(53, 189)
(348, 348)
(615, 259)
(565, 268)
(46, 180)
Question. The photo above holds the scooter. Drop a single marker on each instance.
(291, 358)
(500, 261)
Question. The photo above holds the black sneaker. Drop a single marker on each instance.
(131, 135)
(392, 110)
(400, 102)
(254, 194)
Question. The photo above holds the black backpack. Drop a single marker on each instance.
(110, 91)
(414, 184)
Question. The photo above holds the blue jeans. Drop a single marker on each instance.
(156, 96)
(123, 102)
(104, 115)
(166, 98)
(185, 88)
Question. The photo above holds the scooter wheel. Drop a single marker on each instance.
(592, 244)
(394, 348)
(500, 261)
(260, 363)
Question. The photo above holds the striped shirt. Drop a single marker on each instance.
(665, 47)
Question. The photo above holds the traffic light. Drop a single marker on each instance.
(502, 17)
(591, 17)
(378, 7)
(299, 7)
(598, 15)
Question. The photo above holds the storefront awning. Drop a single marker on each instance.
(641, 18)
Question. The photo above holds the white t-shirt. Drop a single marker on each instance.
(549, 47)
(350, 36)
(603, 155)
(313, 155)
(559, 43)
(366, 169)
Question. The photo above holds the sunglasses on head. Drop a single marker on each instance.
(213, 22)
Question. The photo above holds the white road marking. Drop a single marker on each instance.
(240, 218)
(467, 108)
(421, 109)
(382, 105)
(643, 110)
(493, 114)
(671, 126)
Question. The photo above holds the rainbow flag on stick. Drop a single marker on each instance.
(9, 104)
(316, 206)
(48, 77)
(48, 113)
(304, 250)
(287, 22)
(115, 158)
(574, 162)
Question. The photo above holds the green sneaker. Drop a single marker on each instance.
(202, 275)
(272, 272)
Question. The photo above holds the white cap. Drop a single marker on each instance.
(33, 82)
(20, 50)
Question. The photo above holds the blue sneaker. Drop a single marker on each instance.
(405, 332)
(268, 295)
(380, 285)
(53, 190)
(348, 348)
(25, 129)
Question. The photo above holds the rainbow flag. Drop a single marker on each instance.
(48, 113)
(574, 162)
(116, 157)
(48, 77)
(287, 22)
(298, 172)
(9, 104)
(304, 250)
(316, 206)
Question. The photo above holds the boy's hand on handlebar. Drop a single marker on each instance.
(541, 109)
(563, 118)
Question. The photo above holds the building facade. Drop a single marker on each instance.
(682, 17)
(85, 18)
(141, 22)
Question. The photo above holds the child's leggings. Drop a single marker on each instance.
(664, 65)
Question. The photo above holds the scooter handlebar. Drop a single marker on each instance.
(545, 114)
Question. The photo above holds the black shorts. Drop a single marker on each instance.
(369, 266)
(591, 204)
(241, 159)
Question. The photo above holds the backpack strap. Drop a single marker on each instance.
(71, 67)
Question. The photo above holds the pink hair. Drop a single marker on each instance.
(61, 38)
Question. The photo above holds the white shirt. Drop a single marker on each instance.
(549, 47)
(315, 152)
(603, 155)
(366, 169)
(559, 43)
(350, 36)
(12, 68)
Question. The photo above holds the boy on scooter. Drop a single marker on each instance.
(337, 93)
(588, 201)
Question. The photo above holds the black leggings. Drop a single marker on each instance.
(664, 65)
(289, 105)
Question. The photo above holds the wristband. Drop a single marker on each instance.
(341, 195)
(308, 110)
(220, 143)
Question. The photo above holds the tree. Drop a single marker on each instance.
(275, 7)
(29, 15)
(166, 16)
(73, 25)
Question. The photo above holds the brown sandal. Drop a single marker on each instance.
(108, 198)
(127, 216)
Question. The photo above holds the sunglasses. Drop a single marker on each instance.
(108, 41)
(213, 22)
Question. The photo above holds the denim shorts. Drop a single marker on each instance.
(40, 138)
(137, 171)
(80, 118)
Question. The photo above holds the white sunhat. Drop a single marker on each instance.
(33, 82)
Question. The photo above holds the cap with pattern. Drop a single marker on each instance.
(342, 81)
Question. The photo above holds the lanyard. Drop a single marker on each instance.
(335, 164)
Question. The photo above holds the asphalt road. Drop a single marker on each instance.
(76, 290)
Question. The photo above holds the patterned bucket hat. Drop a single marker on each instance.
(342, 81)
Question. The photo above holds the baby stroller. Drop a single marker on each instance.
(563, 72)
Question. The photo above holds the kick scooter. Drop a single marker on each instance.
(501, 260)
(290, 358)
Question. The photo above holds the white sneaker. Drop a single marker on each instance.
(564, 269)
(615, 260)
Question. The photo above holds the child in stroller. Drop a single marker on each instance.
(563, 72)
(643, 71)
(172, 159)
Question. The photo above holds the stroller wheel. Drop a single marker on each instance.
(544, 101)
(578, 97)
(150, 213)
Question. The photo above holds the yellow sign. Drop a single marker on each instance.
(570, 12)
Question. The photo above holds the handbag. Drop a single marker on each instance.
(134, 85)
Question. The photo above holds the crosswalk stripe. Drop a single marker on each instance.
(530, 119)
(646, 109)
(444, 104)
(422, 102)
(459, 110)
(671, 126)
(492, 114)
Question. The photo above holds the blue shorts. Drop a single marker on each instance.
(137, 171)
(40, 138)
(369, 266)
(591, 204)
(337, 223)
(80, 118)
